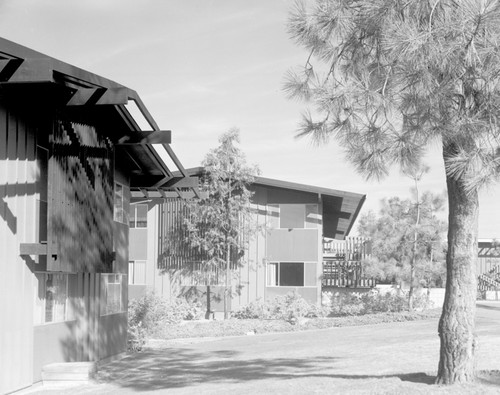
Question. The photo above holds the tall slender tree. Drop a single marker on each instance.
(387, 78)
(407, 240)
(220, 224)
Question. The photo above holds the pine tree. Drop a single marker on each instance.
(220, 224)
(387, 78)
(407, 241)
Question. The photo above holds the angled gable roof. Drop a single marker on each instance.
(30, 78)
(340, 208)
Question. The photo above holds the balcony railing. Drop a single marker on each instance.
(343, 263)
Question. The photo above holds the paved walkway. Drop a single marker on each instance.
(339, 360)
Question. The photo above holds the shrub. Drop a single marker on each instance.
(421, 302)
(347, 304)
(137, 336)
(253, 310)
(375, 302)
(148, 313)
(289, 307)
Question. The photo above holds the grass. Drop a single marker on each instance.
(356, 358)
(238, 327)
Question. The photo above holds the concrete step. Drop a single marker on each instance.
(68, 372)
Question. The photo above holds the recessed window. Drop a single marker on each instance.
(112, 302)
(121, 203)
(53, 301)
(137, 272)
(138, 215)
(285, 274)
(42, 190)
(293, 216)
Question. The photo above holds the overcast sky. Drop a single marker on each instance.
(202, 67)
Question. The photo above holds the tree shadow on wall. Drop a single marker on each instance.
(91, 334)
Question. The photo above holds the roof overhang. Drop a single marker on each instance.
(28, 75)
(340, 208)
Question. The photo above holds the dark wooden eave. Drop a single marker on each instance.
(340, 208)
(28, 74)
(145, 137)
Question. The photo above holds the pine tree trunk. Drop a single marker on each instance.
(226, 288)
(456, 326)
(414, 251)
(209, 305)
(412, 288)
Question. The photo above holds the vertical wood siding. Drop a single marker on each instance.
(18, 174)
(80, 210)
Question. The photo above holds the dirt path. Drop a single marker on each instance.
(383, 358)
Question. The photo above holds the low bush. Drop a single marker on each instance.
(148, 313)
(253, 310)
(373, 302)
(137, 336)
(290, 307)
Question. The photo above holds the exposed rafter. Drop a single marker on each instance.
(146, 137)
(76, 87)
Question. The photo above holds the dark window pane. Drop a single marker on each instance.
(118, 203)
(292, 216)
(142, 216)
(291, 274)
(43, 168)
(49, 299)
(42, 221)
(131, 216)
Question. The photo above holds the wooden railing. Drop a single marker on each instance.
(340, 273)
(485, 283)
(350, 249)
(489, 281)
(343, 263)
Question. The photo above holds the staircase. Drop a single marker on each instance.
(68, 372)
(490, 281)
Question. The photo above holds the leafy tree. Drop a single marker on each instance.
(407, 241)
(219, 224)
(387, 78)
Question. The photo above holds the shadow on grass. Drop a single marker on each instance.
(489, 377)
(178, 368)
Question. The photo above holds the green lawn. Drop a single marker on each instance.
(398, 357)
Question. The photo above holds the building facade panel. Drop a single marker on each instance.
(285, 255)
(17, 225)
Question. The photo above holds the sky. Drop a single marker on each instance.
(204, 66)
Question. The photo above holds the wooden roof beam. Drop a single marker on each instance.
(140, 137)
(98, 96)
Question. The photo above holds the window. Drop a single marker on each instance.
(138, 215)
(112, 302)
(121, 203)
(137, 272)
(42, 190)
(52, 303)
(285, 274)
(293, 216)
